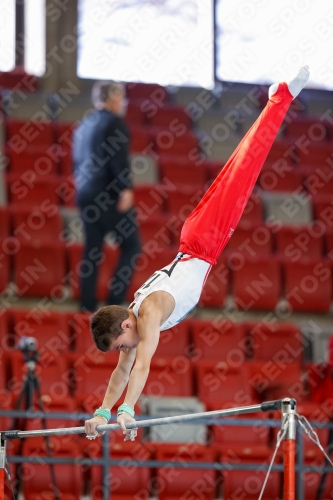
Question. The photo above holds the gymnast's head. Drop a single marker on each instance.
(114, 328)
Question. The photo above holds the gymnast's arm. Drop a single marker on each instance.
(149, 332)
(116, 386)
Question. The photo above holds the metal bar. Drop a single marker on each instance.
(144, 463)
(106, 467)
(159, 463)
(289, 412)
(299, 462)
(147, 423)
(2, 466)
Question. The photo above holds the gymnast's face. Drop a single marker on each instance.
(129, 339)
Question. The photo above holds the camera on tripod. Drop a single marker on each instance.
(28, 347)
(27, 344)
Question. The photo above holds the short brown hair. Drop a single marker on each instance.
(105, 325)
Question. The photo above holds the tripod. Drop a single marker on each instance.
(30, 388)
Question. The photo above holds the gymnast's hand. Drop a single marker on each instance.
(130, 434)
(90, 427)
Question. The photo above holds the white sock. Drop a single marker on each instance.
(298, 83)
(295, 85)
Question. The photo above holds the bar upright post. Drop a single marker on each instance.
(289, 410)
(2, 466)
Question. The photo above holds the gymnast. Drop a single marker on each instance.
(172, 292)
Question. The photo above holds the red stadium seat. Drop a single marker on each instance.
(314, 129)
(18, 78)
(277, 378)
(6, 403)
(268, 339)
(25, 135)
(36, 224)
(173, 118)
(319, 180)
(329, 242)
(251, 240)
(309, 284)
(39, 269)
(169, 377)
(33, 190)
(52, 372)
(247, 484)
(37, 480)
(187, 483)
(40, 162)
(4, 222)
(65, 404)
(174, 342)
(249, 435)
(93, 372)
(181, 202)
(134, 116)
(127, 481)
(315, 153)
(183, 173)
(78, 266)
(284, 180)
(282, 150)
(177, 144)
(213, 169)
(149, 200)
(79, 325)
(216, 288)
(153, 93)
(4, 265)
(62, 150)
(50, 329)
(141, 141)
(253, 211)
(66, 190)
(256, 282)
(217, 340)
(311, 480)
(156, 229)
(64, 132)
(319, 382)
(323, 210)
(218, 381)
(295, 242)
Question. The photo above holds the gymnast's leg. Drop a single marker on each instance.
(209, 227)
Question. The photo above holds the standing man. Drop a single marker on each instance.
(104, 192)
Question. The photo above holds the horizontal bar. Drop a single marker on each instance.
(83, 416)
(15, 434)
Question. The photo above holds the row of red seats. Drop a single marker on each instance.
(250, 239)
(192, 338)
(18, 79)
(222, 435)
(235, 379)
(51, 154)
(167, 483)
(47, 269)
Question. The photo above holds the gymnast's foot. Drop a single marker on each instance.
(295, 85)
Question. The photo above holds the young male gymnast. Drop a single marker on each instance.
(172, 292)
